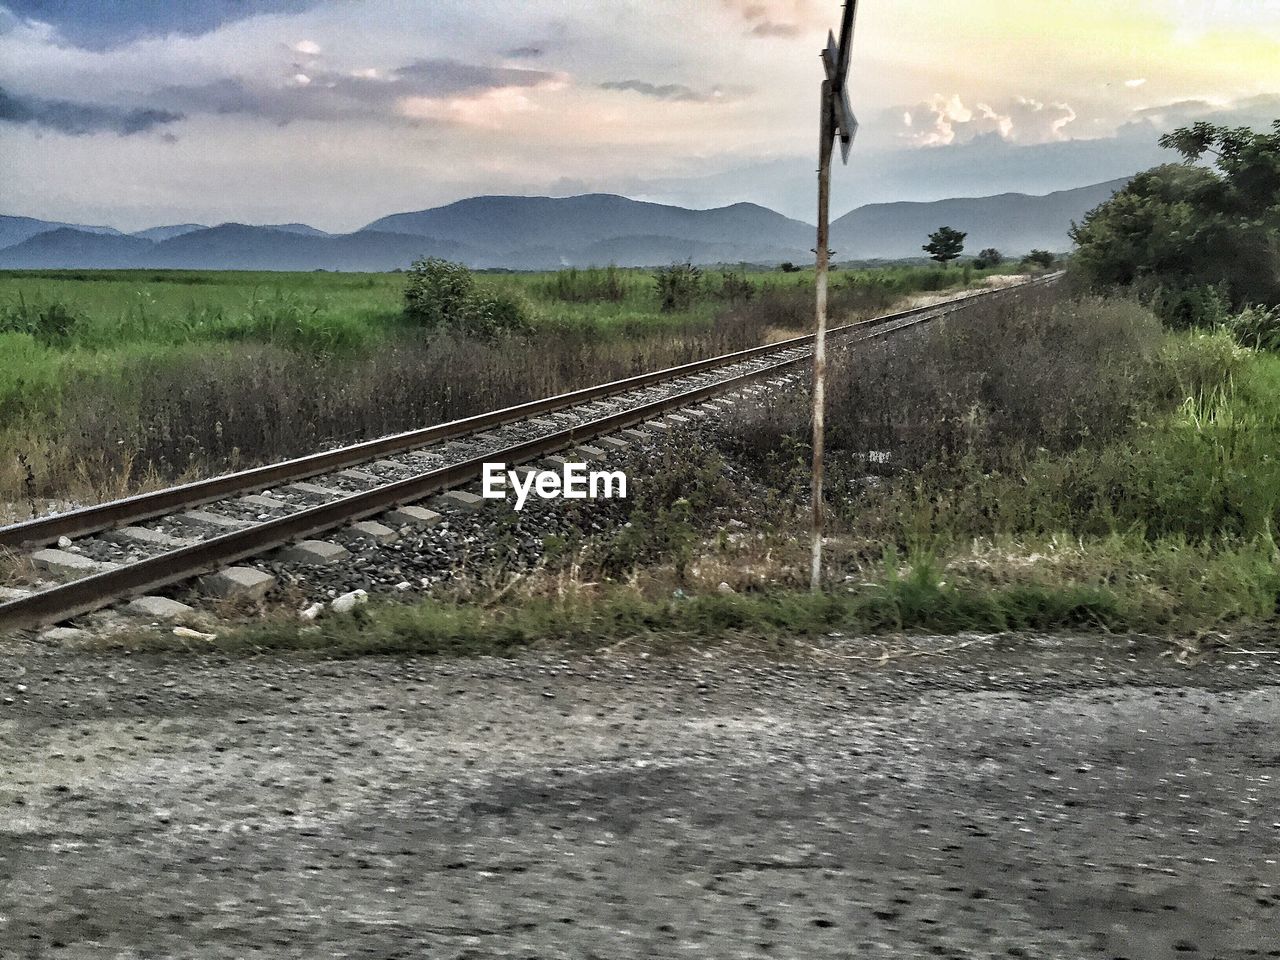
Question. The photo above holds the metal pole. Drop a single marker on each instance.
(825, 135)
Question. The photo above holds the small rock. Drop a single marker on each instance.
(349, 601)
(188, 634)
(311, 612)
(64, 543)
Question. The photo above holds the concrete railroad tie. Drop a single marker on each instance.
(238, 583)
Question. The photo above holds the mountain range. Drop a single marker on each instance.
(537, 233)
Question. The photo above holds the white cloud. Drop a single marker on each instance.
(946, 120)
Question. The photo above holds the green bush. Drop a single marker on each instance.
(592, 285)
(990, 257)
(441, 294)
(735, 287)
(1256, 327)
(51, 323)
(679, 286)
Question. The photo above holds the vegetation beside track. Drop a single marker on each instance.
(114, 381)
(1093, 472)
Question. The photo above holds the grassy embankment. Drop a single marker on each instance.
(112, 381)
(1068, 464)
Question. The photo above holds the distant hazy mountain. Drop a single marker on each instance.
(236, 246)
(16, 229)
(65, 248)
(231, 246)
(165, 233)
(303, 228)
(567, 224)
(1013, 223)
(538, 233)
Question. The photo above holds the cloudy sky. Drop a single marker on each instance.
(334, 112)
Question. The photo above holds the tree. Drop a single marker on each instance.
(945, 244)
(1039, 258)
(1195, 237)
(990, 257)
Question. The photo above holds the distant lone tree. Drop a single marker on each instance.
(1039, 258)
(945, 244)
(788, 267)
(990, 257)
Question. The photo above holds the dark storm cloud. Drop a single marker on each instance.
(525, 53)
(102, 24)
(75, 118)
(664, 91)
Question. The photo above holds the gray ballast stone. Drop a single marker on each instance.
(67, 564)
(260, 501)
(412, 516)
(236, 583)
(313, 552)
(315, 491)
(64, 635)
(150, 538)
(462, 500)
(373, 530)
(158, 608)
(13, 593)
(203, 518)
(585, 453)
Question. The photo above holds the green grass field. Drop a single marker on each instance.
(100, 309)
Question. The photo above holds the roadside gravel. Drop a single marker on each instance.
(1020, 797)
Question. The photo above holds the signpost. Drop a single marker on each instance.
(835, 119)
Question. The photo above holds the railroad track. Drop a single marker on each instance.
(268, 507)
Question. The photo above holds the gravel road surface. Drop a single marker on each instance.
(1018, 797)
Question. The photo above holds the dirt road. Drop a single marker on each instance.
(1017, 798)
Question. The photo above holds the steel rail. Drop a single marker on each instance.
(115, 513)
(98, 590)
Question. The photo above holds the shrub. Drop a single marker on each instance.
(586, 286)
(51, 323)
(990, 257)
(441, 294)
(679, 286)
(788, 267)
(735, 287)
(1039, 258)
(1184, 307)
(1256, 327)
